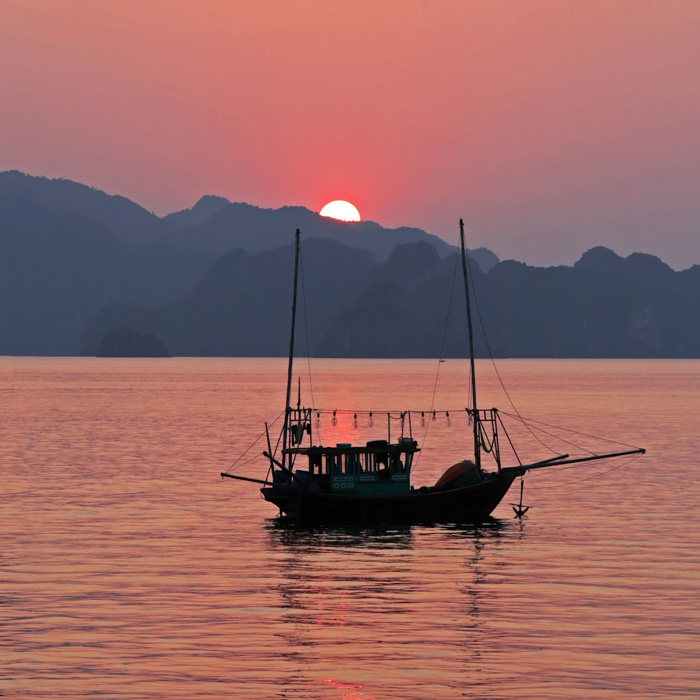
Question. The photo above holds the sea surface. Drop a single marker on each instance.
(129, 569)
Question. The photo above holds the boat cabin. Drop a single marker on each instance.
(375, 469)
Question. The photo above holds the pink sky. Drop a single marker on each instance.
(550, 126)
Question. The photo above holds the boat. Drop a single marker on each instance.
(371, 482)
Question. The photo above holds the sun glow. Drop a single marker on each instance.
(342, 210)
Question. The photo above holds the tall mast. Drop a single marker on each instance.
(287, 408)
(477, 452)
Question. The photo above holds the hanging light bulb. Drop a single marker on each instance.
(434, 417)
(449, 420)
(371, 420)
(422, 419)
(318, 419)
(334, 420)
(354, 421)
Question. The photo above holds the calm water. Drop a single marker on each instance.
(129, 569)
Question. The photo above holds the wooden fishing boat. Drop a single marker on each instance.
(372, 482)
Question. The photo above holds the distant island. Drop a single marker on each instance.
(126, 342)
(83, 272)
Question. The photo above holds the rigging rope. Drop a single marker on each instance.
(556, 437)
(493, 362)
(442, 349)
(252, 444)
(569, 430)
(587, 478)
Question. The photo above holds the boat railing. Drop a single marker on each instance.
(370, 461)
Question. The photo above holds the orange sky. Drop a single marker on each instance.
(550, 126)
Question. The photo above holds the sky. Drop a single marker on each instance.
(549, 126)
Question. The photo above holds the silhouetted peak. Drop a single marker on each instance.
(692, 272)
(637, 265)
(600, 258)
(646, 264)
(130, 221)
(409, 265)
(210, 204)
(297, 209)
(511, 264)
(17, 179)
(485, 258)
(67, 194)
(410, 257)
(235, 260)
(205, 208)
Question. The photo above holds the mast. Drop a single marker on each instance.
(477, 452)
(287, 408)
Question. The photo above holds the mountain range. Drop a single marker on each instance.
(78, 265)
(67, 250)
(412, 305)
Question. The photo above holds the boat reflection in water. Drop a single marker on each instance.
(290, 533)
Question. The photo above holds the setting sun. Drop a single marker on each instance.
(342, 210)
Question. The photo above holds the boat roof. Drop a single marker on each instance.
(402, 447)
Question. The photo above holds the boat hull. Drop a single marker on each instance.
(464, 505)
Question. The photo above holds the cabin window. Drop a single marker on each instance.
(316, 465)
(396, 463)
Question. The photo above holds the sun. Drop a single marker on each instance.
(342, 210)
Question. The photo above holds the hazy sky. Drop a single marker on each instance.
(550, 126)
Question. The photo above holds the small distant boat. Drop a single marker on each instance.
(372, 481)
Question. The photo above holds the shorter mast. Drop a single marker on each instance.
(477, 451)
(287, 408)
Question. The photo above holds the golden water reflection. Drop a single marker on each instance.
(352, 594)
